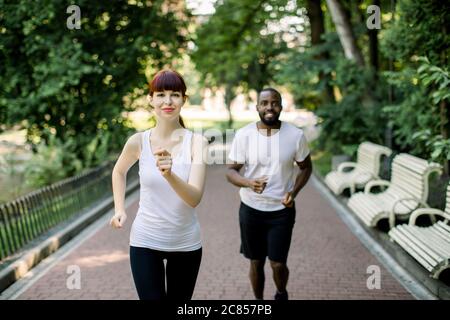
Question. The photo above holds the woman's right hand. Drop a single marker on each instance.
(118, 220)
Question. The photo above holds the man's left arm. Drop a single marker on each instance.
(301, 180)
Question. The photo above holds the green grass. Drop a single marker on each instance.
(321, 160)
(12, 187)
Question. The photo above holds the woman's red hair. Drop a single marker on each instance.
(167, 80)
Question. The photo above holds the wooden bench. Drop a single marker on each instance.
(407, 191)
(430, 246)
(366, 168)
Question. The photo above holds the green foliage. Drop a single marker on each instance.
(52, 162)
(67, 86)
(70, 84)
(301, 70)
(344, 126)
(322, 159)
(419, 30)
(11, 177)
(356, 117)
(435, 82)
(416, 118)
(235, 47)
(413, 112)
(436, 79)
(55, 159)
(435, 144)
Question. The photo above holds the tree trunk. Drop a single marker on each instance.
(445, 110)
(315, 16)
(373, 44)
(228, 99)
(316, 21)
(445, 124)
(345, 32)
(389, 140)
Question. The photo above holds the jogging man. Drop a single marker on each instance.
(268, 150)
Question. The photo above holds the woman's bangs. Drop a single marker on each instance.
(168, 81)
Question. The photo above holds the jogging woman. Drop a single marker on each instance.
(172, 176)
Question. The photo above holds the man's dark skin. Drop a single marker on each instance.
(269, 107)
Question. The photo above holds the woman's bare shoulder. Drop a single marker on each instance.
(135, 138)
(134, 143)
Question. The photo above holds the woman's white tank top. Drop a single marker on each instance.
(164, 221)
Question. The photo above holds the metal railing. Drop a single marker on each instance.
(26, 218)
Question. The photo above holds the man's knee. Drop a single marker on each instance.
(278, 266)
(257, 265)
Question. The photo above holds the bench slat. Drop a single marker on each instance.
(367, 161)
(434, 242)
(417, 239)
(409, 247)
(430, 246)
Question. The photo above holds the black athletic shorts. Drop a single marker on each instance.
(266, 233)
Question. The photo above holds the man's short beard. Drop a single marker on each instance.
(270, 122)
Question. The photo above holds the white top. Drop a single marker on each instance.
(164, 221)
(271, 156)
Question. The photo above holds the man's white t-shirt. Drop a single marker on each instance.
(270, 156)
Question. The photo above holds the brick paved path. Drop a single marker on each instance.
(326, 260)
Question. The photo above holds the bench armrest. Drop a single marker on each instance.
(345, 165)
(392, 212)
(430, 211)
(363, 173)
(374, 183)
(353, 181)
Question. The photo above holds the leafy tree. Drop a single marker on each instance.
(70, 83)
(237, 45)
(419, 114)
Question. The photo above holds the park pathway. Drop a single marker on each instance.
(326, 261)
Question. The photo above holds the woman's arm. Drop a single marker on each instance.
(129, 156)
(192, 191)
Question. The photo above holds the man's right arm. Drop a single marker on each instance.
(234, 177)
(237, 158)
(237, 155)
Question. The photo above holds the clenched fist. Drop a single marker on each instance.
(118, 220)
(288, 200)
(258, 185)
(163, 162)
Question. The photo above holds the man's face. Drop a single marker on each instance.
(269, 107)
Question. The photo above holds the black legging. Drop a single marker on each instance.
(147, 266)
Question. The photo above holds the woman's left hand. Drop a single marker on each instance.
(164, 162)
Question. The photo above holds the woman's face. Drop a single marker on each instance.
(167, 104)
